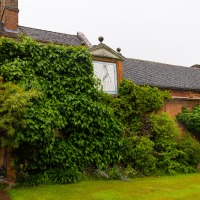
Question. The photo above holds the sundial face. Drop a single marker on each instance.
(107, 73)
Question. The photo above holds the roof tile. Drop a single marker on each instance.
(162, 75)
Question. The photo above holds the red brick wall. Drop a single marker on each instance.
(120, 74)
(187, 94)
(9, 14)
(181, 99)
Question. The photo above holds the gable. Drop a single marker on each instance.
(104, 51)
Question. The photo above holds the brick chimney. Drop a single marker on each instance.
(9, 14)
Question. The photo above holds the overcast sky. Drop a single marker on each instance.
(166, 31)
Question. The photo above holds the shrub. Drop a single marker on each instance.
(139, 154)
(191, 120)
(164, 132)
(189, 156)
(49, 177)
(135, 101)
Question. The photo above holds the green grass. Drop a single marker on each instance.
(153, 188)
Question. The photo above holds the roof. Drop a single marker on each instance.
(162, 75)
(47, 36)
(140, 71)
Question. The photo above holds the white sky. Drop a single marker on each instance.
(166, 31)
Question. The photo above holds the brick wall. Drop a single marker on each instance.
(120, 74)
(187, 94)
(181, 99)
(9, 14)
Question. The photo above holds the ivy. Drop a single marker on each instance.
(152, 142)
(66, 124)
(69, 125)
(135, 101)
(191, 120)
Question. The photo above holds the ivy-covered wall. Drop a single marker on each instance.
(73, 127)
(69, 125)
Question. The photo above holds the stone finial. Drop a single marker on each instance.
(101, 39)
(118, 50)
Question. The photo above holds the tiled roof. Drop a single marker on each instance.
(46, 36)
(162, 75)
(140, 71)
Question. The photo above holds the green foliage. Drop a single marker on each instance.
(73, 125)
(152, 142)
(189, 156)
(134, 101)
(14, 102)
(175, 152)
(189, 146)
(49, 177)
(164, 132)
(70, 125)
(142, 99)
(139, 154)
(191, 120)
(149, 142)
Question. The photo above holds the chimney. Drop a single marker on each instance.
(9, 14)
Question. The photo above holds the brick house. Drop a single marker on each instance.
(182, 82)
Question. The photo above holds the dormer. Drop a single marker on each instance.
(108, 66)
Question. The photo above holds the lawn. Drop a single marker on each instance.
(151, 188)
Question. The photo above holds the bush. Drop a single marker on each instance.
(139, 154)
(164, 133)
(134, 102)
(49, 177)
(191, 120)
(189, 156)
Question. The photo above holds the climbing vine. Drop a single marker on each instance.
(69, 125)
(72, 125)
